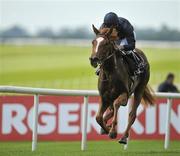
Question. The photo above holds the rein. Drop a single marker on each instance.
(107, 58)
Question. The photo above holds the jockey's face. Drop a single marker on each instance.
(114, 35)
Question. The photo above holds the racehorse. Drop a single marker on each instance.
(115, 83)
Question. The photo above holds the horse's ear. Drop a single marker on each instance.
(109, 32)
(96, 31)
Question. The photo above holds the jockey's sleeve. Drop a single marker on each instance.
(131, 43)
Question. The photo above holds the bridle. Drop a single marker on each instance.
(112, 50)
(112, 54)
(105, 59)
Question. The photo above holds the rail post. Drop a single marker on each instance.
(84, 124)
(35, 122)
(129, 109)
(168, 119)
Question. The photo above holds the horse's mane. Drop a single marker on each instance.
(114, 34)
(103, 30)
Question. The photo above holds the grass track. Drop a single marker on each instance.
(95, 148)
(57, 66)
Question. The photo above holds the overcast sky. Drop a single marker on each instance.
(35, 14)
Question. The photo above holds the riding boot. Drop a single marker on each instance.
(139, 67)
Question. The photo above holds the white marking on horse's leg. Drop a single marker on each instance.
(99, 40)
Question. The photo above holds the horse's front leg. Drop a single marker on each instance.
(108, 115)
(131, 118)
(121, 100)
(99, 116)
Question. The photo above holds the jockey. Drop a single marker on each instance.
(126, 39)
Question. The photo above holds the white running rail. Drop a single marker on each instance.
(86, 93)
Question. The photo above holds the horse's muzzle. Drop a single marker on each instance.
(94, 61)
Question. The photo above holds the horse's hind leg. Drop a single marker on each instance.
(99, 117)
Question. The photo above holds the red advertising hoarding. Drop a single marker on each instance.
(60, 118)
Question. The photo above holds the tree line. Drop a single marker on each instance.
(164, 33)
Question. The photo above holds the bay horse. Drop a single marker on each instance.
(115, 84)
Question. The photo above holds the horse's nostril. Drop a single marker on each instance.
(90, 58)
(95, 59)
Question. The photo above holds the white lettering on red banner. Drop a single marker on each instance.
(60, 118)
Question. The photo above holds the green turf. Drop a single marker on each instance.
(94, 148)
(68, 67)
(58, 66)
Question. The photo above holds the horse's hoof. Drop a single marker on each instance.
(112, 135)
(123, 140)
(103, 132)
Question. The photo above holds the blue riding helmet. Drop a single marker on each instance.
(111, 19)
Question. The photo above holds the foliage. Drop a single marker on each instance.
(164, 33)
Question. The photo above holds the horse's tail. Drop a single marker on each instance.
(148, 96)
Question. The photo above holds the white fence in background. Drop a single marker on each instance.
(86, 93)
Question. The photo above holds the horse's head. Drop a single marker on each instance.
(101, 45)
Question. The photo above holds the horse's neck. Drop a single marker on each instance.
(109, 66)
(121, 66)
(117, 69)
(115, 64)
